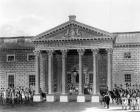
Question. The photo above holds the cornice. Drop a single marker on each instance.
(16, 49)
(75, 39)
(127, 45)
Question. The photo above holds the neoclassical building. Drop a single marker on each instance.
(70, 56)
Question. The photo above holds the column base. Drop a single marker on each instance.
(80, 98)
(63, 98)
(95, 98)
(50, 98)
(37, 98)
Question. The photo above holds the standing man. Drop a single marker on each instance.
(107, 99)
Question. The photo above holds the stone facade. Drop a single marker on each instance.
(123, 65)
(21, 68)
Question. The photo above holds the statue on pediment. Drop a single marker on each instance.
(72, 33)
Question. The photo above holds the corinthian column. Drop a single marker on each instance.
(50, 53)
(37, 85)
(37, 97)
(94, 53)
(80, 52)
(64, 52)
(50, 97)
(64, 97)
(109, 68)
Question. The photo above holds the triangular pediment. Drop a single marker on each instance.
(72, 29)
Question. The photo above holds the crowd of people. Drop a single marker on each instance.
(128, 98)
(18, 95)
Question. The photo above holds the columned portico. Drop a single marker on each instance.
(50, 97)
(37, 96)
(80, 96)
(77, 70)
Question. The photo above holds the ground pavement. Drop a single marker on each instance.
(62, 107)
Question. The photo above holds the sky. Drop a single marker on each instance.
(32, 17)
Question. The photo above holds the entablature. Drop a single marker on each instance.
(75, 45)
(75, 39)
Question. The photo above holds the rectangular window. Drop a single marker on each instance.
(11, 81)
(127, 77)
(10, 57)
(30, 57)
(127, 55)
(31, 80)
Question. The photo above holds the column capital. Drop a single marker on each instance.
(94, 51)
(109, 51)
(64, 51)
(81, 51)
(36, 52)
(50, 52)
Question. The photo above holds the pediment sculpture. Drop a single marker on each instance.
(72, 32)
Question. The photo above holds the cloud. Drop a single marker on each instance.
(7, 30)
(30, 20)
(22, 26)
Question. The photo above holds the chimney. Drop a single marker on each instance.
(72, 17)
